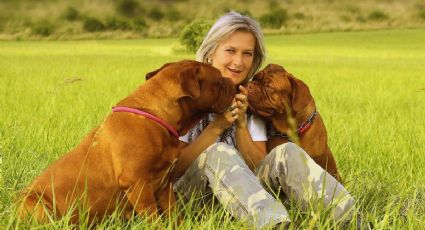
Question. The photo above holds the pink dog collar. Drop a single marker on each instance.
(147, 115)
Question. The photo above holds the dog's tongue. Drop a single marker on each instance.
(264, 113)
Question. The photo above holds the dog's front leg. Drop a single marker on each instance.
(327, 162)
(166, 199)
(141, 196)
(167, 202)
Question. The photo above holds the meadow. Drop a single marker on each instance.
(369, 88)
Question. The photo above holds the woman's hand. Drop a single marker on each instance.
(241, 105)
(224, 120)
(236, 112)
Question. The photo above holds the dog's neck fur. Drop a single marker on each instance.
(150, 98)
(304, 114)
(281, 122)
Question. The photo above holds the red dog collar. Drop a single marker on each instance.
(303, 128)
(148, 115)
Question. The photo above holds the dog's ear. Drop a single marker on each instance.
(189, 82)
(301, 96)
(153, 73)
(275, 66)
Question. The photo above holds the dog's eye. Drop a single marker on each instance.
(270, 88)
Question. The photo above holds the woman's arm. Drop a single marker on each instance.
(189, 152)
(252, 151)
(209, 135)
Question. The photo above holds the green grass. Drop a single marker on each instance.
(369, 88)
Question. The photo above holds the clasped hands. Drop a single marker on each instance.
(235, 113)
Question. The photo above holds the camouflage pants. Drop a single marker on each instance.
(221, 171)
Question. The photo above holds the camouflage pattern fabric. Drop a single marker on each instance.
(222, 172)
(290, 168)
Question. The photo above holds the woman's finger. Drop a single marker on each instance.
(241, 97)
(235, 112)
(242, 106)
(243, 90)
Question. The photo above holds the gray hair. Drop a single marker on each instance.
(223, 28)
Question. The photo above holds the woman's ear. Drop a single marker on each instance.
(210, 58)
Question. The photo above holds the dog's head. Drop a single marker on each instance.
(202, 88)
(274, 92)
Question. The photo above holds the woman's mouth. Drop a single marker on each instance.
(234, 71)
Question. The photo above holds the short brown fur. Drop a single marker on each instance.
(127, 161)
(278, 96)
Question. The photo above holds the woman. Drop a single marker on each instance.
(220, 155)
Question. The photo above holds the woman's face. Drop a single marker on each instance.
(234, 56)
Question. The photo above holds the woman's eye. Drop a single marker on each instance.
(230, 50)
(248, 54)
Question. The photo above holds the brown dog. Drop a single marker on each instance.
(127, 161)
(290, 113)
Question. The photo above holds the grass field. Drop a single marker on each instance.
(369, 88)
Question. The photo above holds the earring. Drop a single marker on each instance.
(209, 61)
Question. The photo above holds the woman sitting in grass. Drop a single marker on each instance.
(225, 154)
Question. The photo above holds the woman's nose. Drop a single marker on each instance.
(237, 59)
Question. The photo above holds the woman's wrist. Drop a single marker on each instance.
(215, 129)
(240, 125)
(241, 122)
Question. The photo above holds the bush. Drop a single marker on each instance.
(156, 14)
(43, 28)
(128, 8)
(71, 14)
(139, 24)
(1, 25)
(422, 14)
(299, 16)
(193, 34)
(113, 23)
(275, 19)
(377, 15)
(353, 9)
(360, 19)
(172, 14)
(345, 18)
(92, 24)
(245, 12)
(273, 4)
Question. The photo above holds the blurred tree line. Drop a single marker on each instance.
(190, 19)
